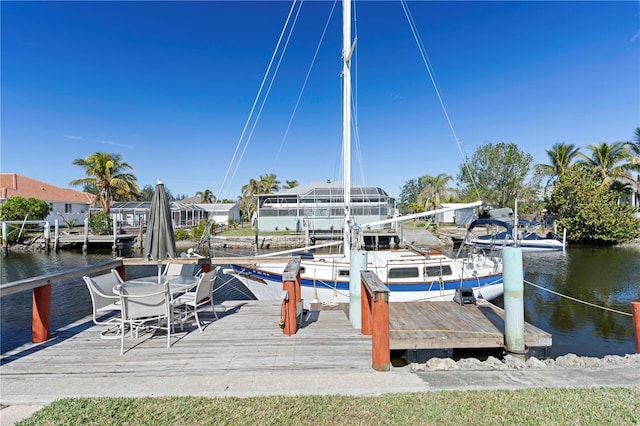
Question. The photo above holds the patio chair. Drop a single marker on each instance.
(103, 298)
(188, 269)
(145, 307)
(117, 275)
(191, 301)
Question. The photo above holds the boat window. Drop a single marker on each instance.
(343, 272)
(437, 271)
(302, 270)
(403, 273)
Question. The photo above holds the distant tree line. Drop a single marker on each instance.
(584, 191)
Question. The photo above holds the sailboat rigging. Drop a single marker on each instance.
(411, 275)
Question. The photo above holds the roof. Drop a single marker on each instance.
(15, 185)
(221, 208)
(146, 205)
(328, 187)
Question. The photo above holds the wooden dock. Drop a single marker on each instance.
(102, 241)
(244, 344)
(243, 353)
(431, 329)
(422, 330)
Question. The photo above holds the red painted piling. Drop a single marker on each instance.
(205, 267)
(289, 308)
(381, 356)
(41, 314)
(122, 271)
(635, 310)
(291, 297)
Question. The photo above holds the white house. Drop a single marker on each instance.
(220, 213)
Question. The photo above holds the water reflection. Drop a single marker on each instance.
(607, 277)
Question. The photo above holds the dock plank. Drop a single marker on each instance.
(448, 325)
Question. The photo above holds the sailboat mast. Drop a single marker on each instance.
(346, 122)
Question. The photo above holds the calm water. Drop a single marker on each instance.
(607, 277)
(603, 276)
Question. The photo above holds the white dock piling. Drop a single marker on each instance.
(358, 263)
(85, 245)
(47, 236)
(513, 299)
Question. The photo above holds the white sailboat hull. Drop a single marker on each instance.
(410, 276)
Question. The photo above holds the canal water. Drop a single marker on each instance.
(605, 277)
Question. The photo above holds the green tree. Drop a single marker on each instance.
(435, 187)
(590, 212)
(19, 208)
(620, 189)
(635, 143)
(561, 156)
(289, 184)
(269, 184)
(108, 172)
(100, 223)
(500, 174)
(206, 196)
(609, 161)
(247, 206)
(413, 208)
(147, 193)
(409, 195)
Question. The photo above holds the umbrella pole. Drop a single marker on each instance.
(159, 271)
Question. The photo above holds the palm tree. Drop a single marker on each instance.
(610, 161)
(434, 188)
(560, 156)
(108, 173)
(206, 196)
(289, 184)
(620, 189)
(246, 206)
(635, 144)
(269, 183)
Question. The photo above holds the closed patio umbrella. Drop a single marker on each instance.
(159, 243)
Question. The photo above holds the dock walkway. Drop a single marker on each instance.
(242, 354)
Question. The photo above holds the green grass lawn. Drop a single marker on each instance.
(581, 406)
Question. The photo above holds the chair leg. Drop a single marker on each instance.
(213, 308)
(195, 313)
(122, 339)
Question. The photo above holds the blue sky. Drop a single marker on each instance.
(170, 86)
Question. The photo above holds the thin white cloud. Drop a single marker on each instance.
(636, 36)
(116, 144)
(75, 138)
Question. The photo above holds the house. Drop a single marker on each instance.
(65, 205)
(221, 213)
(130, 214)
(320, 206)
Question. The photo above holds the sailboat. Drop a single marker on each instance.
(410, 274)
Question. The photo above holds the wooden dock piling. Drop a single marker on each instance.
(41, 314)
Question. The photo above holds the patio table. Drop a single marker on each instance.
(177, 283)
